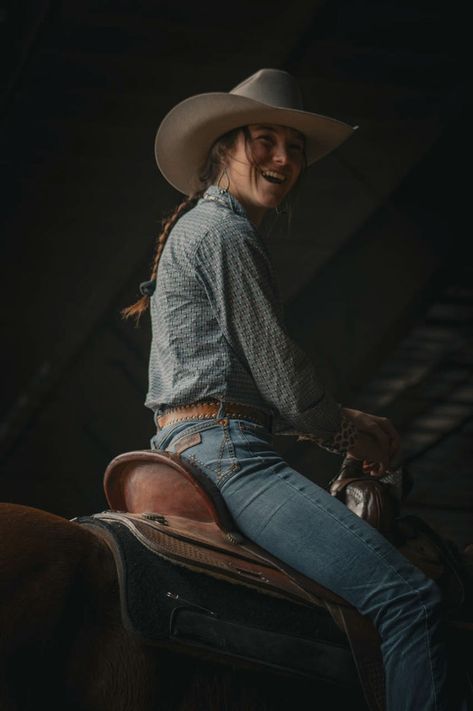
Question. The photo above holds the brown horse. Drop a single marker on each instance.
(63, 646)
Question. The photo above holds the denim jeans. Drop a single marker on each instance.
(303, 525)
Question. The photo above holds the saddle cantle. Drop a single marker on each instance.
(161, 483)
(175, 510)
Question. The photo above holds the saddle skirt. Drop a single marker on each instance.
(196, 545)
(182, 606)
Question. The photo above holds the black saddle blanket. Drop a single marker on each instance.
(162, 601)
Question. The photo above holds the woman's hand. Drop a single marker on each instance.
(377, 441)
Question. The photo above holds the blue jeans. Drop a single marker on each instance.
(303, 525)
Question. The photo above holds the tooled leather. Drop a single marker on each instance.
(205, 410)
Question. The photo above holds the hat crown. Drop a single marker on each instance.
(271, 86)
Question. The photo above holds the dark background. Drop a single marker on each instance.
(376, 271)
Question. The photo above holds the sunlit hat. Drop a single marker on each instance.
(189, 130)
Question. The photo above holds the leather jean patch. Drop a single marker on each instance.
(187, 441)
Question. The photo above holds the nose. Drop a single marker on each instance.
(280, 154)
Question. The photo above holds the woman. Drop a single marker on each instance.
(224, 375)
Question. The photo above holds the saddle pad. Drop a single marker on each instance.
(165, 602)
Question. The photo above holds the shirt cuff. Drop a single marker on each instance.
(340, 442)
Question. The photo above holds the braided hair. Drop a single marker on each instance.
(209, 175)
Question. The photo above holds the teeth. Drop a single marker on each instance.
(274, 176)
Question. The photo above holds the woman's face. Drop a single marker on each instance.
(263, 173)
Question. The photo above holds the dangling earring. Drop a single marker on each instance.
(282, 208)
(224, 174)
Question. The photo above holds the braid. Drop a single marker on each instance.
(136, 309)
(208, 176)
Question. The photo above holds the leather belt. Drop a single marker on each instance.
(206, 410)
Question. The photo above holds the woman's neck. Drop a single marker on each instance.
(255, 212)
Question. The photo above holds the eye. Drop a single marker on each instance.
(265, 138)
(298, 147)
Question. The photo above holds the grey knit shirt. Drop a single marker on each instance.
(218, 328)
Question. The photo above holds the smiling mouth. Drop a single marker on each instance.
(272, 176)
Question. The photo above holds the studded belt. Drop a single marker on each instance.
(206, 410)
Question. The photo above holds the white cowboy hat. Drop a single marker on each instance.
(189, 130)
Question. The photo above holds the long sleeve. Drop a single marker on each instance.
(237, 277)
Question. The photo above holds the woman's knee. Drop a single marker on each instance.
(432, 595)
(417, 604)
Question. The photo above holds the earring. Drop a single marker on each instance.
(224, 174)
(281, 209)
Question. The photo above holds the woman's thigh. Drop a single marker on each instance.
(295, 519)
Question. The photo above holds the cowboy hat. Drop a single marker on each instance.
(189, 130)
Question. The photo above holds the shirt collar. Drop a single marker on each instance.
(223, 197)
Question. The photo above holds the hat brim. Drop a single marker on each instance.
(189, 130)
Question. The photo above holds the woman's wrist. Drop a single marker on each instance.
(344, 439)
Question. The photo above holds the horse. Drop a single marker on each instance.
(63, 644)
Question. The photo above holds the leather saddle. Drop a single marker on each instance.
(177, 512)
(174, 509)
